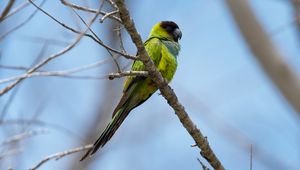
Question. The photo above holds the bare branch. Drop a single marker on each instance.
(22, 136)
(119, 33)
(95, 35)
(13, 67)
(166, 90)
(55, 73)
(8, 103)
(251, 156)
(21, 24)
(17, 9)
(89, 10)
(6, 9)
(41, 123)
(112, 76)
(10, 153)
(202, 164)
(107, 15)
(63, 75)
(273, 63)
(45, 61)
(68, 73)
(87, 35)
(59, 155)
(14, 92)
(296, 6)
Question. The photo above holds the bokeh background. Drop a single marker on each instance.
(219, 81)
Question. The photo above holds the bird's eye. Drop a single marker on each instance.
(169, 29)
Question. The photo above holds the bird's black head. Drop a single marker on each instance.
(172, 29)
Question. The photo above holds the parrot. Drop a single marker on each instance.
(163, 48)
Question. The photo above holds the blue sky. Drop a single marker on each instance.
(218, 80)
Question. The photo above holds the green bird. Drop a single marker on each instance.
(163, 48)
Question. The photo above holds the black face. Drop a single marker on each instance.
(172, 28)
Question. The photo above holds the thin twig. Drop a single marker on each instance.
(251, 156)
(40, 107)
(107, 15)
(17, 9)
(204, 167)
(95, 35)
(62, 75)
(55, 73)
(45, 61)
(59, 155)
(296, 10)
(113, 4)
(13, 94)
(10, 152)
(22, 23)
(88, 10)
(119, 33)
(41, 123)
(23, 136)
(112, 76)
(166, 90)
(87, 35)
(13, 67)
(67, 74)
(9, 102)
(50, 41)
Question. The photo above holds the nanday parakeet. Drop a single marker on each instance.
(163, 48)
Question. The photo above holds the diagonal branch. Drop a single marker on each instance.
(273, 63)
(6, 10)
(166, 90)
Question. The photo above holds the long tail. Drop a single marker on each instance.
(109, 131)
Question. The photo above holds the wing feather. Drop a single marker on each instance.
(153, 47)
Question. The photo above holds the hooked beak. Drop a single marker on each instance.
(177, 34)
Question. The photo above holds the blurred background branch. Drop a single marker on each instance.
(296, 8)
(268, 55)
(6, 9)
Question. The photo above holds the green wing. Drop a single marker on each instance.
(153, 47)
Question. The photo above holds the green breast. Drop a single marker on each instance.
(168, 62)
(173, 47)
